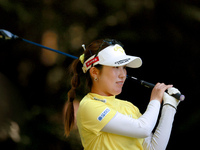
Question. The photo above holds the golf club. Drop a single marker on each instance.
(6, 35)
(151, 85)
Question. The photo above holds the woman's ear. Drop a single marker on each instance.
(94, 72)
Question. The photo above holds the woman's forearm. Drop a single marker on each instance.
(160, 138)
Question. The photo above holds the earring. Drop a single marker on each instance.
(96, 79)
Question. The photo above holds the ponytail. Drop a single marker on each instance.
(75, 82)
(76, 69)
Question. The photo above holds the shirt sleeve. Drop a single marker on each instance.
(138, 128)
(159, 140)
(95, 115)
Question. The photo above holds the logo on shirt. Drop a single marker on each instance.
(101, 100)
(103, 114)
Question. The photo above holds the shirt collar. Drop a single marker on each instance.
(101, 98)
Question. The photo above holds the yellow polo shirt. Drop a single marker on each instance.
(94, 113)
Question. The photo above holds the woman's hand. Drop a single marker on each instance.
(158, 91)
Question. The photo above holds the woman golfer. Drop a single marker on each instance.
(107, 123)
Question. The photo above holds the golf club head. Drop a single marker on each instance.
(6, 35)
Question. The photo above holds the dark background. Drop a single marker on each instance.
(34, 82)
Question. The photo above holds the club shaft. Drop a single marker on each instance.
(51, 49)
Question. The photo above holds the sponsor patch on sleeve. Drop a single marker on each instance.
(103, 114)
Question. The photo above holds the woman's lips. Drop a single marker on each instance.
(121, 83)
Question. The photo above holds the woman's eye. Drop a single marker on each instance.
(117, 67)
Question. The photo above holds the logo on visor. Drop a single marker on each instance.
(122, 61)
(119, 48)
(92, 61)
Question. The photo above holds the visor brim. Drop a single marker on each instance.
(129, 61)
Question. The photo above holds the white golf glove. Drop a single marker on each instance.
(170, 100)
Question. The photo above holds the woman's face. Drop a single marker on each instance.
(110, 81)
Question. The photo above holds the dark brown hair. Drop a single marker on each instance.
(76, 68)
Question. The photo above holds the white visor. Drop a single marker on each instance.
(113, 55)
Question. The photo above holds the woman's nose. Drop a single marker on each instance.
(122, 72)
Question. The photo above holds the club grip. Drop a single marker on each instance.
(179, 96)
(150, 85)
(147, 84)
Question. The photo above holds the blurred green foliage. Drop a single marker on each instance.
(34, 83)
